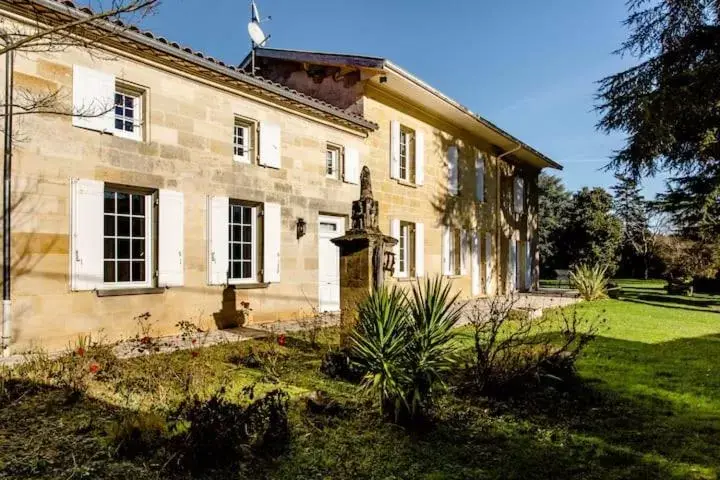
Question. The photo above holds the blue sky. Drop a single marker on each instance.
(528, 66)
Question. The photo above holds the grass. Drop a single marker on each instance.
(648, 406)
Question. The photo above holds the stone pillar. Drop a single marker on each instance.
(362, 256)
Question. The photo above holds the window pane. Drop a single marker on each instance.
(123, 248)
(236, 270)
(247, 251)
(118, 124)
(236, 251)
(109, 202)
(129, 101)
(246, 270)
(138, 271)
(247, 234)
(138, 204)
(123, 271)
(128, 126)
(109, 248)
(109, 225)
(123, 203)
(138, 249)
(109, 275)
(138, 227)
(236, 232)
(236, 214)
(123, 226)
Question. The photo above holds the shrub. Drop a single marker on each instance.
(220, 434)
(591, 282)
(404, 345)
(515, 352)
(379, 343)
(339, 364)
(137, 433)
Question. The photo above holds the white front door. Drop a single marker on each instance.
(329, 263)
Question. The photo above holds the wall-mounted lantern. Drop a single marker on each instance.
(301, 227)
(389, 261)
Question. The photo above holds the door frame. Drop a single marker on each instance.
(340, 222)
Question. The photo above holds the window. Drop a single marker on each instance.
(455, 248)
(407, 156)
(406, 250)
(242, 140)
(128, 113)
(333, 154)
(127, 239)
(242, 243)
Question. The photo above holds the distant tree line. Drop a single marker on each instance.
(621, 230)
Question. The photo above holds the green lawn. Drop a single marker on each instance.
(648, 407)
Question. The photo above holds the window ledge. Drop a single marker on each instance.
(453, 277)
(405, 183)
(118, 292)
(405, 279)
(249, 286)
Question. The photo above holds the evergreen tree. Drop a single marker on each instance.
(632, 210)
(553, 203)
(592, 234)
(669, 105)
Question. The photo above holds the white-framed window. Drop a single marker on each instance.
(407, 155)
(406, 250)
(128, 113)
(333, 154)
(127, 238)
(243, 133)
(455, 250)
(242, 242)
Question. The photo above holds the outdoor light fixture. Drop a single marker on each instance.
(389, 263)
(301, 226)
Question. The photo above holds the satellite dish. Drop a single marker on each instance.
(255, 13)
(256, 34)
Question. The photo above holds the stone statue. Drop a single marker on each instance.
(365, 210)
(365, 183)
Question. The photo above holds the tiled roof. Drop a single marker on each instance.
(52, 8)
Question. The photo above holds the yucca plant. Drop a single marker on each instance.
(405, 344)
(590, 281)
(380, 341)
(434, 312)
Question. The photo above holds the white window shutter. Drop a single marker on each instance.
(480, 177)
(351, 172)
(528, 266)
(464, 250)
(419, 158)
(171, 239)
(218, 211)
(475, 263)
(512, 266)
(489, 261)
(452, 159)
(394, 149)
(272, 242)
(86, 266)
(419, 250)
(446, 251)
(93, 99)
(270, 154)
(519, 191)
(395, 233)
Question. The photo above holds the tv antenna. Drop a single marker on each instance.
(257, 36)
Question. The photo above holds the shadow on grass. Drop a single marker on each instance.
(657, 298)
(641, 411)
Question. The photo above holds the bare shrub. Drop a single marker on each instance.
(513, 351)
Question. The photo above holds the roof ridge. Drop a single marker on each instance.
(70, 4)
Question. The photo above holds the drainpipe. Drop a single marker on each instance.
(7, 170)
(498, 231)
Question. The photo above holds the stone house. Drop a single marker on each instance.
(187, 185)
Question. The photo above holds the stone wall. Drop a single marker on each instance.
(188, 148)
